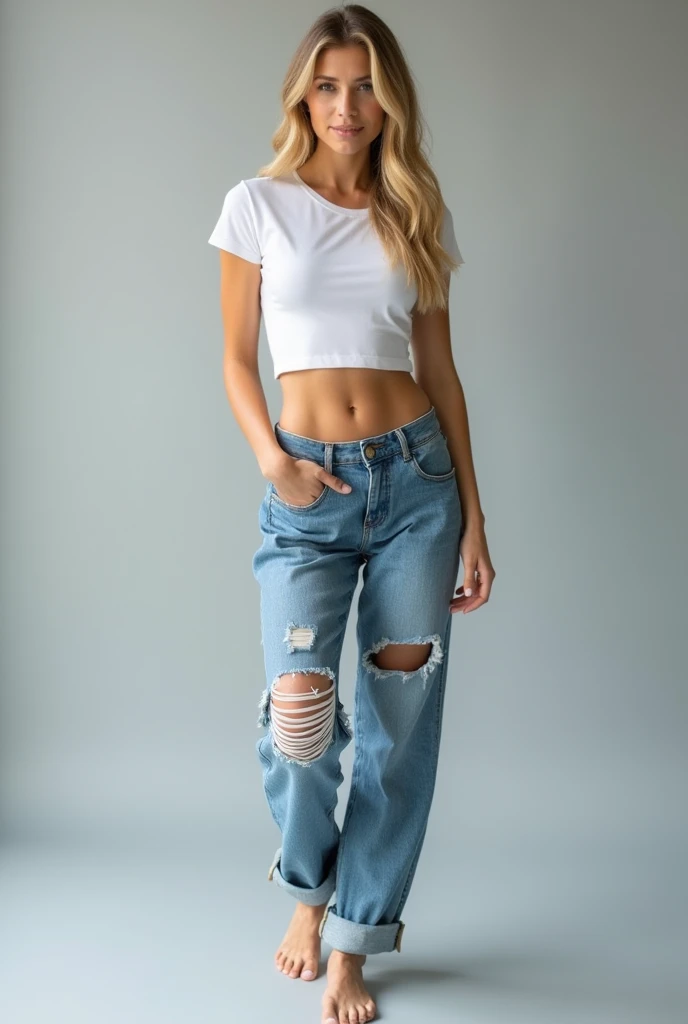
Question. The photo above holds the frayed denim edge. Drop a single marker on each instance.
(435, 657)
(291, 647)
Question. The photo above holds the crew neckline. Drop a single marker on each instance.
(346, 210)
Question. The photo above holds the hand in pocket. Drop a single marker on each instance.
(299, 482)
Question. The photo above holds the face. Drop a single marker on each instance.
(342, 95)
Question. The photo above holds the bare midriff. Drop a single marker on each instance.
(349, 403)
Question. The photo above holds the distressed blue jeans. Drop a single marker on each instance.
(402, 522)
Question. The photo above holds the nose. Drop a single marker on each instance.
(348, 105)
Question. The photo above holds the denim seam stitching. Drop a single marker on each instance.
(425, 440)
(429, 476)
(353, 789)
(438, 724)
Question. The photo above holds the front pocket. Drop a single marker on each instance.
(274, 496)
(432, 459)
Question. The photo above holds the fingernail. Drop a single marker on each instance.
(346, 488)
(467, 591)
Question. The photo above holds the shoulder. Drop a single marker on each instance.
(254, 197)
(247, 189)
(266, 194)
(237, 230)
(263, 197)
(250, 210)
(264, 187)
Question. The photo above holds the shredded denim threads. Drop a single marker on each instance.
(434, 658)
(263, 703)
(299, 637)
(264, 715)
(345, 722)
(303, 732)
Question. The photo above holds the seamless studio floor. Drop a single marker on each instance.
(181, 930)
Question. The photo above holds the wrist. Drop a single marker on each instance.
(474, 519)
(272, 464)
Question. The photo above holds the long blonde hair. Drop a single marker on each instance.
(405, 202)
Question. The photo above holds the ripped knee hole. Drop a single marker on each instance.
(403, 657)
(419, 654)
(302, 719)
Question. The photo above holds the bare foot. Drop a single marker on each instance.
(346, 999)
(298, 953)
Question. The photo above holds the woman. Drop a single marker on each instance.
(345, 246)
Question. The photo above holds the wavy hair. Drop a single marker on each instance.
(405, 202)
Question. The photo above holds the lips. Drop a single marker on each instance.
(347, 131)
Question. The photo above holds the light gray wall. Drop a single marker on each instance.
(130, 649)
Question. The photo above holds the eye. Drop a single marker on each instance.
(326, 86)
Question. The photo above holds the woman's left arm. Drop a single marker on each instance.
(435, 373)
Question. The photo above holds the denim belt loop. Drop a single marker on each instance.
(329, 445)
(403, 442)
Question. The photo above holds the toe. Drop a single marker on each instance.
(329, 1015)
(310, 969)
(296, 969)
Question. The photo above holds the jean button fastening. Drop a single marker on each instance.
(369, 451)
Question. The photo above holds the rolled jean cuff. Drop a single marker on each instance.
(352, 937)
(312, 897)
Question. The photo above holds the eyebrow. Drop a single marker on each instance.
(331, 78)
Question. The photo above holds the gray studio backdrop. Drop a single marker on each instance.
(130, 647)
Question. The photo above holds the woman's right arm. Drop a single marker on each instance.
(240, 306)
(294, 479)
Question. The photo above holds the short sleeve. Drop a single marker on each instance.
(235, 230)
(449, 238)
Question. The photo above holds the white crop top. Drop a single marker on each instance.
(327, 294)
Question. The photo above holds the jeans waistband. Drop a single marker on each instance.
(366, 450)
